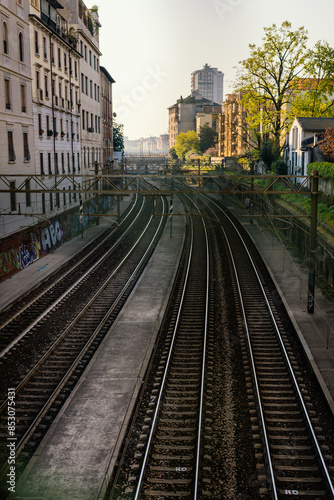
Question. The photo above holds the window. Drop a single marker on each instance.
(86, 53)
(91, 88)
(12, 196)
(49, 164)
(11, 151)
(94, 61)
(26, 152)
(64, 197)
(82, 82)
(5, 38)
(36, 43)
(78, 161)
(47, 122)
(45, 52)
(51, 202)
(86, 81)
(83, 119)
(59, 58)
(41, 164)
(37, 81)
(68, 163)
(65, 62)
(90, 57)
(7, 93)
(76, 70)
(23, 99)
(28, 194)
(81, 48)
(56, 168)
(63, 165)
(21, 51)
(40, 122)
(46, 86)
(43, 203)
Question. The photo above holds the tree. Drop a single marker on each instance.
(279, 167)
(269, 152)
(207, 137)
(315, 96)
(173, 154)
(118, 137)
(327, 145)
(269, 77)
(185, 142)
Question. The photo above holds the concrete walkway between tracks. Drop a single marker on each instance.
(77, 455)
(290, 275)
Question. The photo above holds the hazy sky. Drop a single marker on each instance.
(151, 47)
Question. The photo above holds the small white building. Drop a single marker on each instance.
(301, 147)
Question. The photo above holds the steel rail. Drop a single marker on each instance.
(77, 264)
(286, 356)
(80, 314)
(69, 290)
(175, 329)
(155, 416)
(74, 364)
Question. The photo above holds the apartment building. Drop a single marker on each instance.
(55, 98)
(85, 23)
(16, 116)
(182, 115)
(107, 118)
(209, 82)
(233, 138)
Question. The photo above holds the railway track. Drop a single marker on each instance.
(166, 456)
(236, 413)
(294, 456)
(60, 359)
(21, 315)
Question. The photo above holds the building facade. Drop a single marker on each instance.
(301, 147)
(55, 97)
(209, 82)
(182, 115)
(233, 138)
(16, 115)
(107, 118)
(85, 24)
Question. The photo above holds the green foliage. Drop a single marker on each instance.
(268, 76)
(269, 152)
(207, 137)
(185, 142)
(326, 169)
(173, 154)
(315, 97)
(279, 167)
(118, 137)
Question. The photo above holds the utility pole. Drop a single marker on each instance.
(313, 240)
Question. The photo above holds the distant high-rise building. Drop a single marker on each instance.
(209, 83)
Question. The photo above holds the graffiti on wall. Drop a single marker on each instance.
(51, 236)
(28, 248)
